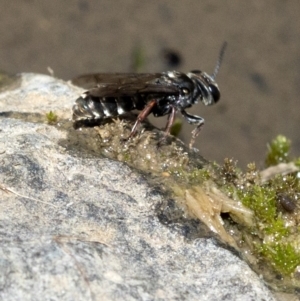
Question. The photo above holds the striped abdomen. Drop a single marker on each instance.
(89, 107)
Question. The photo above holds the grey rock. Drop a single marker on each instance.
(78, 227)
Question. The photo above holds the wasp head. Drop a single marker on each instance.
(205, 88)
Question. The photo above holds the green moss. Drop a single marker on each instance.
(192, 177)
(261, 200)
(277, 229)
(278, 151)
(176, 127)
(198, 175)
(269, 233)
(283, 257)
(270, 236)
(126, 157)
(297, 162)
(51, 117)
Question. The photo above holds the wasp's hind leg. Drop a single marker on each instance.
(195, 120)
(141, 117)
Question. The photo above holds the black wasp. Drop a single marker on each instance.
(161, 94)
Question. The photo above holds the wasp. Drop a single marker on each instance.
(111, 95)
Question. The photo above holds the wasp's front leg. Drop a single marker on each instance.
(195, 120)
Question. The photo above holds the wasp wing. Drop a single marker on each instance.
(89, 81)
(126, 84)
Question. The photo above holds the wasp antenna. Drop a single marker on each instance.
(221, 55)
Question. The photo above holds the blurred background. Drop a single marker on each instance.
(259, 78)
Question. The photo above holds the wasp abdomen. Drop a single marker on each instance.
(89, 107)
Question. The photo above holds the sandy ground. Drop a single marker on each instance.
(259, 79)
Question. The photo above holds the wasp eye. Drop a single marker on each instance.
(215, 92)
(185, 91)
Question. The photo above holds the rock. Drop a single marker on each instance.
(78, 226)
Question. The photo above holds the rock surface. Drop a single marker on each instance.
(81, 227)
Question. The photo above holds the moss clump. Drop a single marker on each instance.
(270, 224)
(261, 200)
(191, 177)
(229, 171)
(51, 117)
(176, 127)
(297, 161)
(273, 236)
(283, 257)
(278, 151)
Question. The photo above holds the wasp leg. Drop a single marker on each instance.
(196, 120)
(170, 121)
(142, 116)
